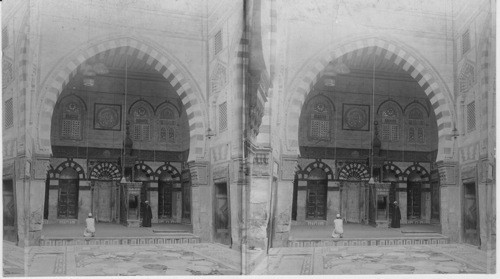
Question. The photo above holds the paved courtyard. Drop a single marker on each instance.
(112, 260)
(352, 260)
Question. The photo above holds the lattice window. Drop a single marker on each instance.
(218, 80)
(420, 135)
(390, 124)
(416, 132)
(218, 42)
(5, 38)
(320, 129)
(465, 42)
(8, 113)
(167, 123)
(71, 122)
(467, 78)
(411, 135)
(471, 117)
(320, 124)
(223, 116)
(141, 130)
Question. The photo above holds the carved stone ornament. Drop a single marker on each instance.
(288, 169)
(447, 174)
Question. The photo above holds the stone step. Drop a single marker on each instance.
(418, 240)
(152, 240)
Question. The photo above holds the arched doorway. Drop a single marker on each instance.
(67, 201)
(316, 201)
(414, 197)
(165, 190)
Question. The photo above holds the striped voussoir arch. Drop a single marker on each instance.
(169, 169)
(105, 171)
(304, 174)
(393, 53)
(132, 47)
(354, 170)
(418, 169)
(146, 169)
(390, 167)
(69, 164)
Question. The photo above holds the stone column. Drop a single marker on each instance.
(202, 213)
(450, 199)
(401, 197)
(259, 197)
(425, 202)
(33, 176)
(283, 217)
(301, 201)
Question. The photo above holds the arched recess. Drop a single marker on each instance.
(304, 174)
(173, 172)
(394, 170)
(418, 169)
(105, 171)
(401, 55)
(155, 56)
(354, 171)
(69, 164)
(146, 170)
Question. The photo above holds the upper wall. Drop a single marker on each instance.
(67, 26)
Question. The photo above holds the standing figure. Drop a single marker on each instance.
(90, 229)
(338, 230)
(396, 217)
(147, 215)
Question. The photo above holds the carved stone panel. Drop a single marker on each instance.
(447, 173)
(288, 169)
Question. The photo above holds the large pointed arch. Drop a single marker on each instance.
(157, 57)
(408, 60)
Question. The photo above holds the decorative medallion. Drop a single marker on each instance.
(356, 117)
(140, 112)
(107, 117)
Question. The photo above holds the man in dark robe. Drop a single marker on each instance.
(396, 217)
(147, 215)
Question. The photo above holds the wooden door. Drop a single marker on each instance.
(9, 211)
(351, 200)
(165, 199)
(67, 206)
(413, 200)
(435, 200)
(222, 215)
(470, 215)
(186, 202)
(316, 200)
(294, 198)
(103, 195)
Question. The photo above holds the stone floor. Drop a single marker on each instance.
(147, 260)
(421, 259)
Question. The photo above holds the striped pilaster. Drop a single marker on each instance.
(389, 51)
(174, 75)
(23, 75)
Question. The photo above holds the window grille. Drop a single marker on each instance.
(465, 42)
(8, 113)
(218, 42)
(411, 135)
(420, 135)
(141, 129)
(171, 134)
(320, 129)
(390, 124)
(223, 116)
(167, 123)
(71, 122)
(5, 38)
(467, 78)
(471, 117)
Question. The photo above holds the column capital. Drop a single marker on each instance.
(448, 172)
(199, 172)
